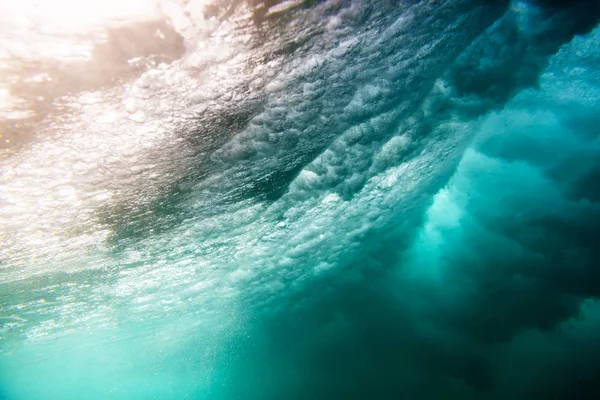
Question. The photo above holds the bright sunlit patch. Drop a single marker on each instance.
(36, 29)
(72, 15)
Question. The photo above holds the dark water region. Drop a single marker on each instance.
(304, 200)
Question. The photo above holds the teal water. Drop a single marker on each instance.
(347, 200)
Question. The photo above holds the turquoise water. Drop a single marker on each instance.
(348, 200)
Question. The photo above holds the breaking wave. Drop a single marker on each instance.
(314, 199)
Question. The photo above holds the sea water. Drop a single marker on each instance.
(302, 200)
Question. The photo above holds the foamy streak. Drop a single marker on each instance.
(121, 148)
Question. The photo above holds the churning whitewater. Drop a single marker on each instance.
(299, 200)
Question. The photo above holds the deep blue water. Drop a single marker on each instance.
(341, 200)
